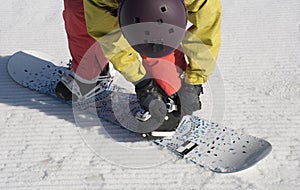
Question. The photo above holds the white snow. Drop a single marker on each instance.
(41, 148)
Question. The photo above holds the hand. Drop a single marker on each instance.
(151, 97)
(189, 98)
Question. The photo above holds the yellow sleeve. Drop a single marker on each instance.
(202, 40)
(104, 27)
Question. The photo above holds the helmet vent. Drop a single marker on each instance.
(160, 21)
(137, 20)
(171, 30)
(163, 9)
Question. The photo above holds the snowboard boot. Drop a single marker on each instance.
(74, 88)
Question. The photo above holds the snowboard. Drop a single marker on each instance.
(219, 149)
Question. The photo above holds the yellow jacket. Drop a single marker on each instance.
(201, 43)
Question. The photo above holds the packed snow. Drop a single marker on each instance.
(259, 72)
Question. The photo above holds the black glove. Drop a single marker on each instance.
(189, 98)
(151, 97)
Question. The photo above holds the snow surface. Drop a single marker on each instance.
(41, 147)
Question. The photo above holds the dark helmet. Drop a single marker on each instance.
(154, 28)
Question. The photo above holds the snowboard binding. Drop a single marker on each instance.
(171, 120)
(72, 87)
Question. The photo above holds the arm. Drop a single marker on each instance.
(202, 41)
(104, 27)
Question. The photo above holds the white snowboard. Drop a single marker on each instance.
(207, 144)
